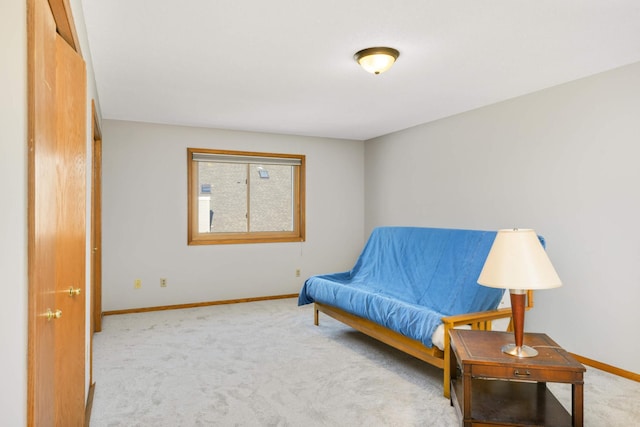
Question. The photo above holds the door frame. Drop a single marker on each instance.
(95, 311)
(96, 222)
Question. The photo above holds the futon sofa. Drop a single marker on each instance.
(409, 287)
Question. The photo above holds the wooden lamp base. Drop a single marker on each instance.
(517, 310)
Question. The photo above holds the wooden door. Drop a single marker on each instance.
(57, 227)
(71, 150)
(42, 216)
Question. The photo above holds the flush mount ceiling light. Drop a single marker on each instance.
(376, 60)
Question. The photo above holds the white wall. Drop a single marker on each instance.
(13, 212)
(563, 161)
(145, 218)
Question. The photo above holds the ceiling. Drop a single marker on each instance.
(286, 66)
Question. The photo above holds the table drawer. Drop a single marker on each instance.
(525, 374)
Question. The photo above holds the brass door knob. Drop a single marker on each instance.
(74, 292)
(53, 314)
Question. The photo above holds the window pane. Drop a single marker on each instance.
(245, 197)
(222, 205)
(271, 197)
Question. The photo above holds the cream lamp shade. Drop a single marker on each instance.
(376, 60)
(518, 262)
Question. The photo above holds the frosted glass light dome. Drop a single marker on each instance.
(376, 60)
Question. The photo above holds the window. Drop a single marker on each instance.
(243, 197)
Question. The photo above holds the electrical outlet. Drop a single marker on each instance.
(163, 283)
(297, 272)
(137, 284)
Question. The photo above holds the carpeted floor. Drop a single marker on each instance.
(266, 364)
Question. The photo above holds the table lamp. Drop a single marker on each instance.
(518, 262)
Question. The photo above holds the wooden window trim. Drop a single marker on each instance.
(196, 238)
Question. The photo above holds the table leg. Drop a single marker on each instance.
(577, 404)
(466, 399)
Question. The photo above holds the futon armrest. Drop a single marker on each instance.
(483, 316)
(480, 316)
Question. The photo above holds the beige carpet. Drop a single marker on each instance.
(266, 364)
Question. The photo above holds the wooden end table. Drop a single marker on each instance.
(489, 387)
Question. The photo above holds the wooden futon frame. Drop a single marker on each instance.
(432, 355)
